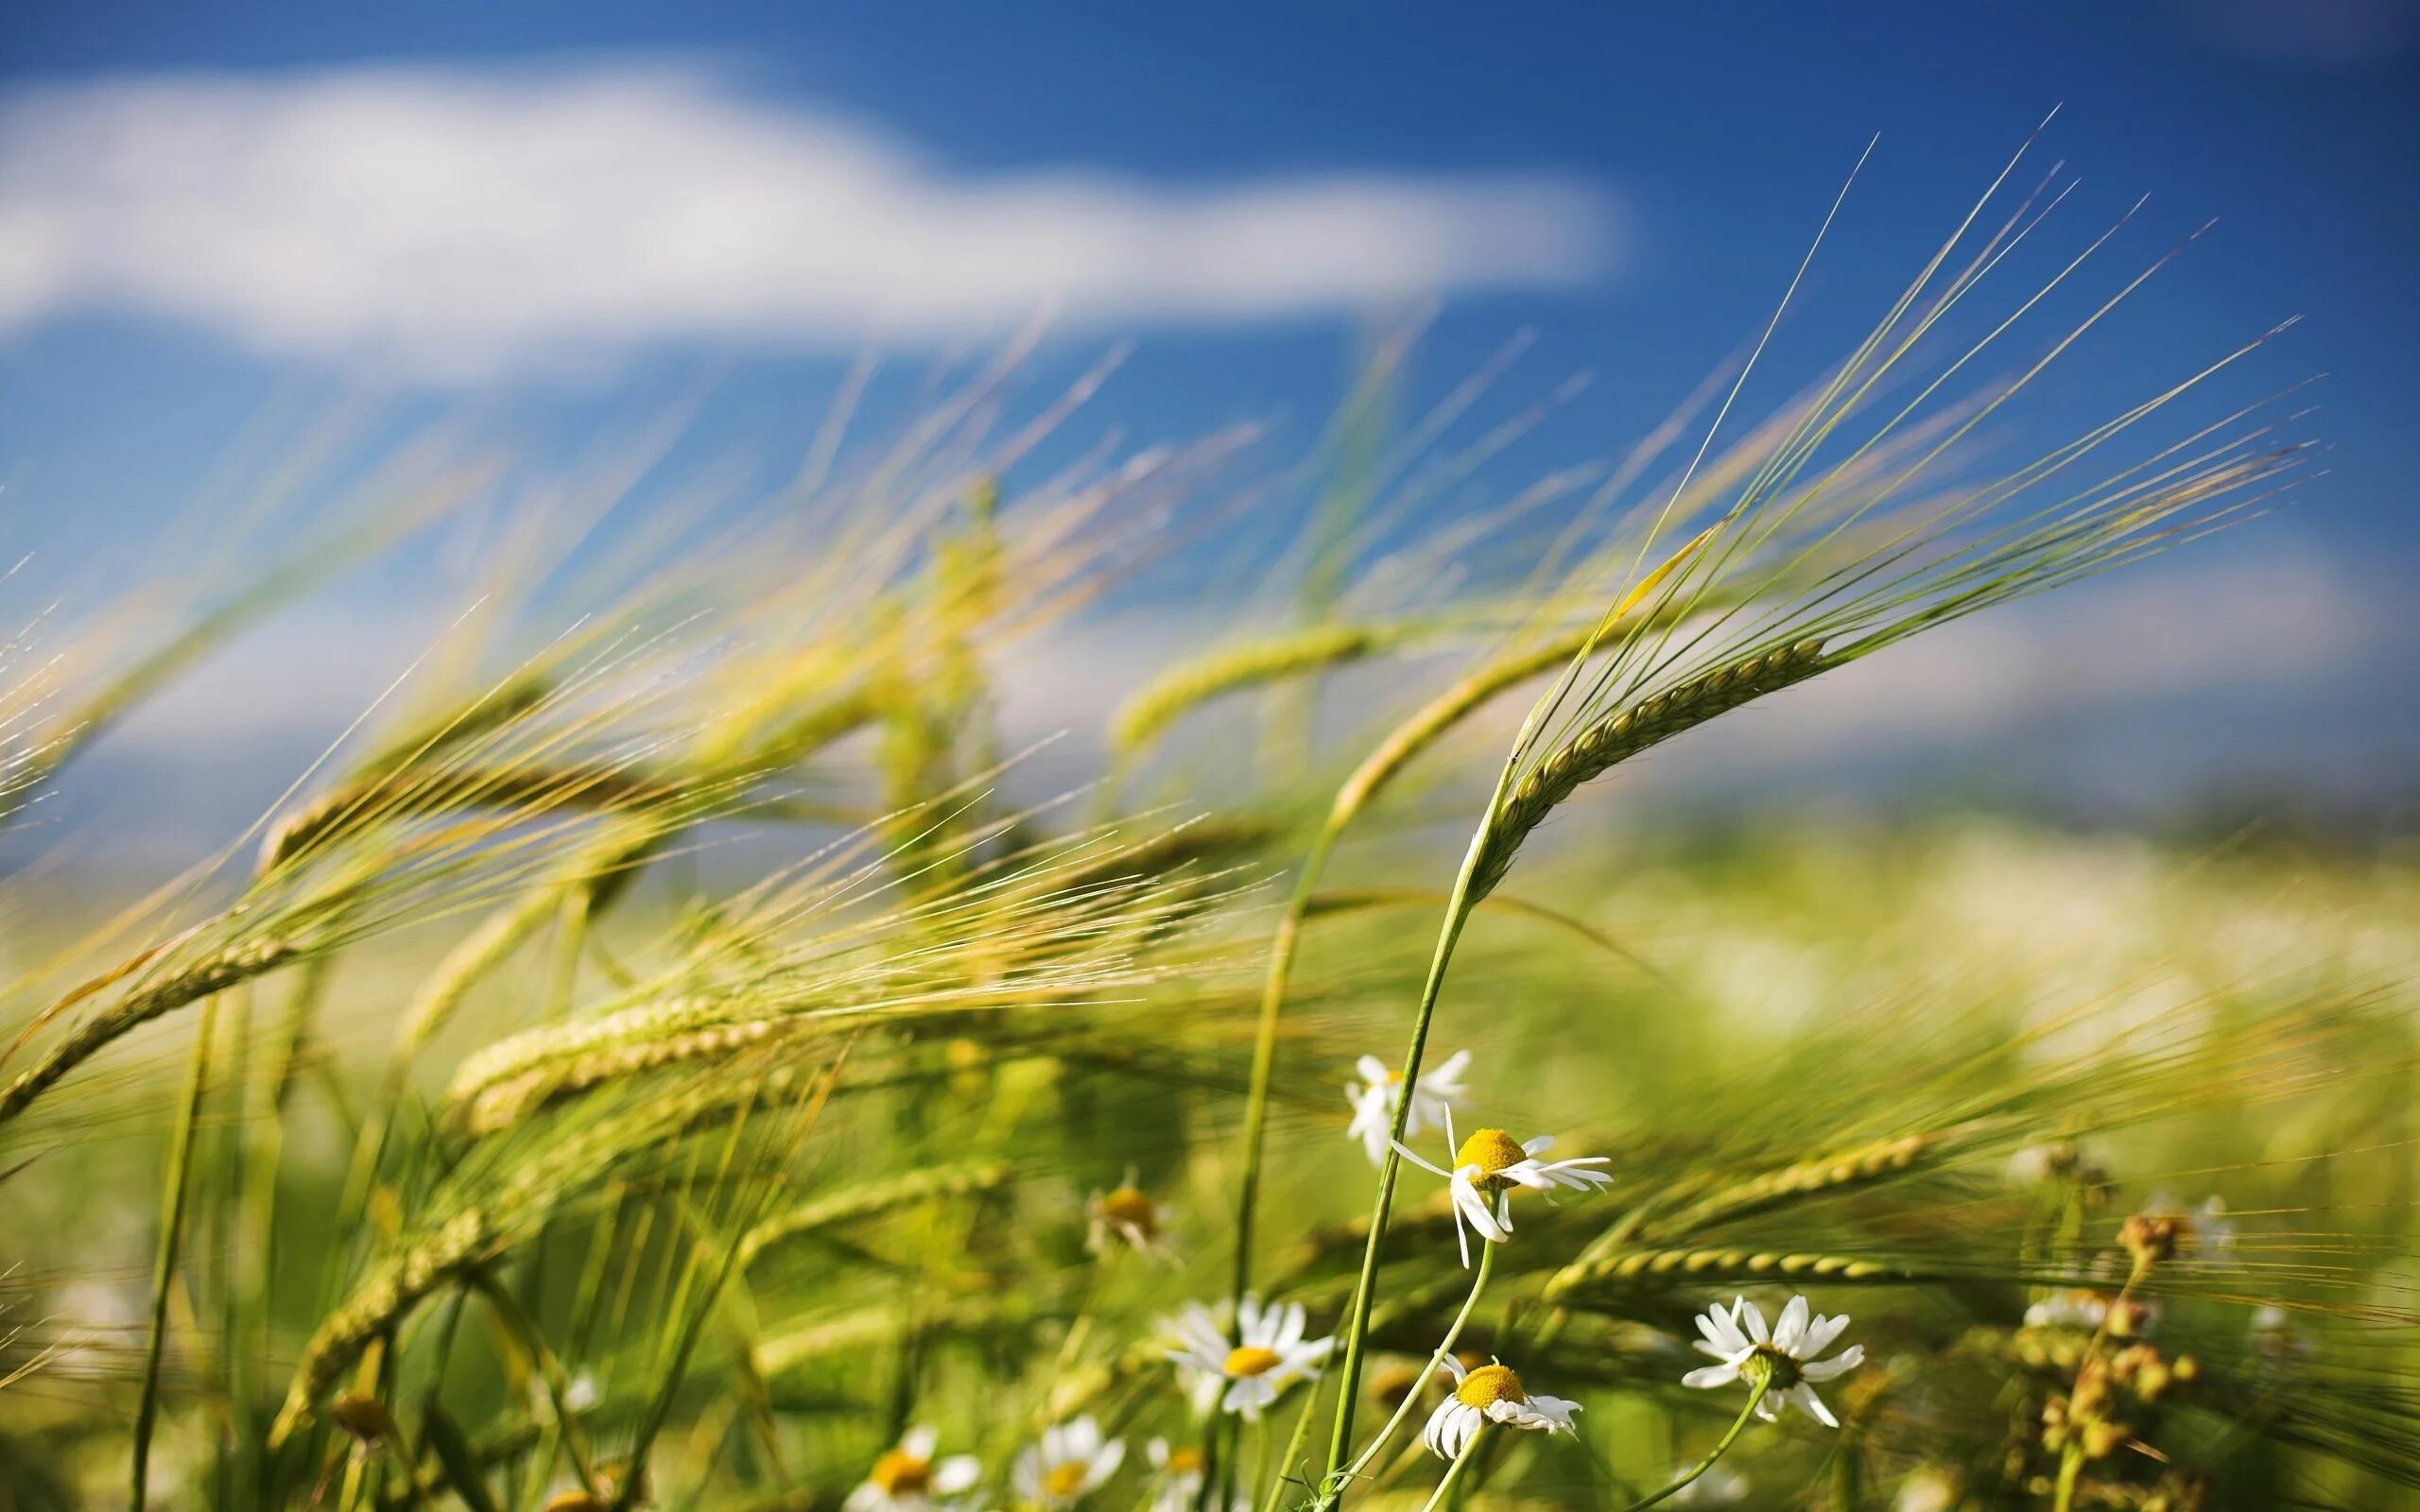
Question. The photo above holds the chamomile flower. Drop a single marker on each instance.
(1488, 1166)
(1128, 1215)
(1180, 1471)
(907, 1479)
(1490, 1393)
(1784, 1360)
(1268, 1353)
(1379, 1092)
(1071, 1461)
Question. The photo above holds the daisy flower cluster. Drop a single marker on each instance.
(1239, 1363)
(1780, 1364)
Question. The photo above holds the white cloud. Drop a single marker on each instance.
(456, 222)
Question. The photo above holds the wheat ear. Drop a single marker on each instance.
(1619, 736)
(1169, 698)
(389, 797)
(1729, 1266)
(218, 973)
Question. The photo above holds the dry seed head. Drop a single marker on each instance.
(2149, 1239)
(2103, 1440)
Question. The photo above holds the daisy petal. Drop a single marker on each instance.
(1805, 1396)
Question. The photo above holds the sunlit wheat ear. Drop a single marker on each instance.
(531, 789)
(800, 963)
(1617, 737)
(185, 987)
(855, 1203)
(1188, 686)
(1722, 1266)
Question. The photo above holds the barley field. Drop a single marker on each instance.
(688, 1045)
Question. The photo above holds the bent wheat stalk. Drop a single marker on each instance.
(1404, 744)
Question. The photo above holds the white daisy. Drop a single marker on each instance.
(1179, 1467)
(1127, 1215)
(907, 1479)
(1490, 1393)
(1489, 1166)
(1266, 1355)
(1375, 1096)
(1071, 1462)
(1784, 1360)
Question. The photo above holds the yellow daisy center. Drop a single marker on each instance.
(1491, 1150)
(900, 1473)
(1184, 1460)
(1066, 1478)
(1488, 1384)
(1252, 1359)
(1130, 1206)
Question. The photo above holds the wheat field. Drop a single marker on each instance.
(686, 1048)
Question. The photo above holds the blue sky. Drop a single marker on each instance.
(1635, 182)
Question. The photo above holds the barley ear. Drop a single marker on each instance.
(1619, 736)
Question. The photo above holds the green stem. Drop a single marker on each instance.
(1436, 1358)
(1720, 1450)
(1294, 1441)
(1264, 1049)
(1458, 912)
(2071, 1468)
(1454, 1471)
(163, 1265)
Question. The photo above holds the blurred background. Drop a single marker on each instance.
(245, 251)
